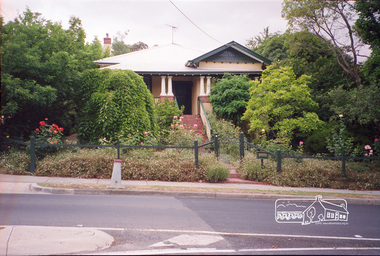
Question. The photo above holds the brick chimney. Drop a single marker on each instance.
(107, 42)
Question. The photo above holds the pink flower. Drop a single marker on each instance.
(367, 147)
(376, 140)
(195, 125)
(141, 143)
(175, 117)
(172, 125)
(181, 126)
(145, 133)
(301, 143)
(370, 152)
(181, 117)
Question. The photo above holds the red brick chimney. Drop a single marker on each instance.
(107, 42)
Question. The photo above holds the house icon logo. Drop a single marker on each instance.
(314, 210)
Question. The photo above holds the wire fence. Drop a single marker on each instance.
(279, 156)
(33, 147)
(214, 145)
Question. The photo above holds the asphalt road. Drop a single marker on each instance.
(155, 224)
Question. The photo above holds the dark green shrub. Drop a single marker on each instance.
(118, 105)
(165, 111)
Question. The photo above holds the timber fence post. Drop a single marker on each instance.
(196, 154)
(279, 160)
(32, 154)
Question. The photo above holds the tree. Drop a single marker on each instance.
(281, 104)
(139, 46)
(256, 41)
(41, 66)
(368, 25)
(118, 106)
(368, 22)
(330, 21)
(229, 97)
(120, 47)
(272, 46)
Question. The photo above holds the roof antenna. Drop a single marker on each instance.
(173, 29)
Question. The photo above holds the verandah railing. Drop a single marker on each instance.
(204, 118)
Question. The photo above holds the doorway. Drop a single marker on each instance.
(183, 92)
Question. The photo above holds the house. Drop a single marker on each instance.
(173, 71)
(322, 211)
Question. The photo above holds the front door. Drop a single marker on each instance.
(182, 91)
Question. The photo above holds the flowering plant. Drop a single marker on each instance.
(47, 134)
(180, 136)
(376, 147)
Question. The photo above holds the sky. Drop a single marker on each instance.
(217, 21)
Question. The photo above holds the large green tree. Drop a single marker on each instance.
(368, 25)
(229, 97)
(41, 66)
(281, 104)
(331, 21)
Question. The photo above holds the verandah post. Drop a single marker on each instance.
(32, 154)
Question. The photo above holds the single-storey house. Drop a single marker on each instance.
(185, 74)
(322, 211)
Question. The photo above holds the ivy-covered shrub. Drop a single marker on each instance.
(117, 105)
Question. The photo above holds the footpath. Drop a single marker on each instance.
(32, 240)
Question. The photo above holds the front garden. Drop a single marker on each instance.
(145, 162)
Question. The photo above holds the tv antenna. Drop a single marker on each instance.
(173, 30)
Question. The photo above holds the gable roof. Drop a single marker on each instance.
(231, 52)
(176, 59)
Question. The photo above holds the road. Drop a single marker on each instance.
(164, 224)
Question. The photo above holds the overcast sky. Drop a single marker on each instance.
(147, 20)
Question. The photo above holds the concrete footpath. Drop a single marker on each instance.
(32, 240)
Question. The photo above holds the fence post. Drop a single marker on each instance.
(216, 145)
(344, 164)
(241, 146)
(196, 154)
(279, 160)
(118, 149)
(32, 154)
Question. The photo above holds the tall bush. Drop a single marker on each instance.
(118, 105)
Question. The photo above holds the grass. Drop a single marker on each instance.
(208, 190)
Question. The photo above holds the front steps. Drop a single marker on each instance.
(194, 123)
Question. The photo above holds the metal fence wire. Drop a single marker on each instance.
(213, 145)
(33, 146)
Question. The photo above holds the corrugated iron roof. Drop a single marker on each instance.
(168, 59)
